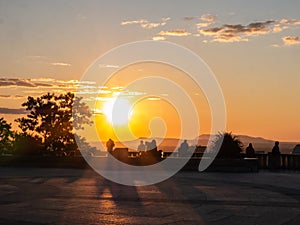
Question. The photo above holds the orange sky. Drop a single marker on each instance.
(151, 116)
(252, 48)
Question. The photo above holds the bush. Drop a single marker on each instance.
(231, 146)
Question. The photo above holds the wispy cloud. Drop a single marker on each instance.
(6, 82)
(275, 46)
(147, 24)
(108, 66)
(238, 32)
(12, 111)
(36, 82)
(291, 40)
(11, 96)
(179, 32)
(154, 98)
(158, 38)
(208, 17)
(60, 64)
(45, 60)
(205, 18)
(130, 22)
(203, 24)
(188, 18)
(279, 28)
(208, 26)
(290, 22)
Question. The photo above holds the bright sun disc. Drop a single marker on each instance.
(117, 111)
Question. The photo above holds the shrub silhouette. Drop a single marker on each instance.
(231, 146)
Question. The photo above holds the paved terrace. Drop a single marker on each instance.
(72, 196)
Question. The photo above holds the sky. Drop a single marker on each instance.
(252, 47)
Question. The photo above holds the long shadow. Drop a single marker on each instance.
(189, 199)
(122, 196)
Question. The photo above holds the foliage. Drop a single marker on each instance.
(6, 136)
(51, 121)
(231, 146)
(25, 144)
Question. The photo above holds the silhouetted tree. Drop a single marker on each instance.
(50, 120)
(231, 146)
(6, 136)
(25, 144)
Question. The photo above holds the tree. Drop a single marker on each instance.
(25, 144)
(51, 120)
(6, 136)
(231, 146)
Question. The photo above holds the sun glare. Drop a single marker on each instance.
(117, 111)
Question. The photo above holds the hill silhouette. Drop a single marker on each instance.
(169, 144)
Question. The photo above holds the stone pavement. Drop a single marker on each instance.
(67, 196)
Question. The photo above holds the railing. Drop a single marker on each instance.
(282, 161)
(265, 160)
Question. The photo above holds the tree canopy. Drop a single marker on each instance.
(6, 135)
(52, 119)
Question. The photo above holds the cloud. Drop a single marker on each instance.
(275, 46)
(179, 32)
(37, 57)
(290, 22)
(158, 38)
(205, 18)
(147, 24)
(238, 32)
(291, 40)
(11, 96)
(12, 111)
(188, 18)
(203, 24)
(60, 64)
(279, 28)
(108, 66)
(36, 83)
(208, 18)
(151, 25)
(130, 22)
(154, 98)
(6, 82)
(165, 19)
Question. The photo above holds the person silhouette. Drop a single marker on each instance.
(275, 149)
(183, 149)
(110, 144)
(250, 153)
(153, 145)
(275, 158)
(142, 146)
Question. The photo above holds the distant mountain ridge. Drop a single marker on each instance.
(170, 144)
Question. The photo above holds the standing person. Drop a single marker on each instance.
(183, 149)
(275, 157)
(110, 144)
(153, 145)
(275, 149)
(142, 146)
(250, 153)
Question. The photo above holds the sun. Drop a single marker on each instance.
(117, 111)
